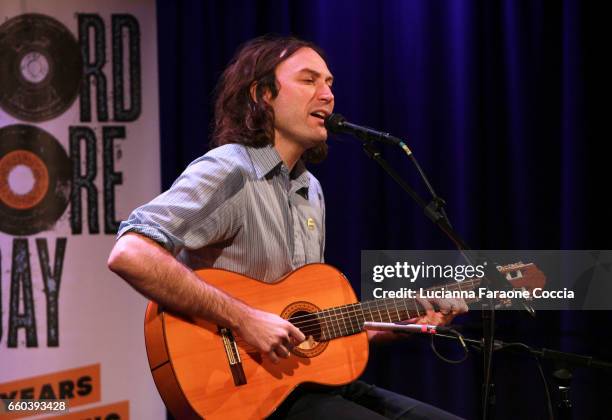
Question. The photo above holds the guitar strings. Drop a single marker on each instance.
(317, 323)
(380, 304)
(332, 321)
(336, 323)
(334, 312)
(451, 286)
(342, 312)
(320, 323)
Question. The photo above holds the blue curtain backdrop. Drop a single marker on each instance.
(498, 101)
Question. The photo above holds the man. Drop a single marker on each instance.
(250, 206)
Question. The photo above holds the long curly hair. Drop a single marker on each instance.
(240, 118)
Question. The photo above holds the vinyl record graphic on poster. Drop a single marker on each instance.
(79, 149)
(40, 67)
(35, 180)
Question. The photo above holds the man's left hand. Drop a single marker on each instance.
(439, 311)
(436, 312)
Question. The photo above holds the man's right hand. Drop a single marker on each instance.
(269, 333)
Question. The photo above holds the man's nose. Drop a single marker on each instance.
(325, 93)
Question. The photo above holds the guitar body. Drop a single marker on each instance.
(190, 359)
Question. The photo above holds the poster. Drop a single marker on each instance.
(79, 148)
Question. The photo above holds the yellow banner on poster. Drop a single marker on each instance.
(76, 387)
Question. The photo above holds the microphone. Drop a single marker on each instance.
(410, 328)
(419, 329)
(336, 123)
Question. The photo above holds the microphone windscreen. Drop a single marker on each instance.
(333, 122)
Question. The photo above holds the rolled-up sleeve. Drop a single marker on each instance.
(202, 207)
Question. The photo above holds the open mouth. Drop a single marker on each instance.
(319, 114)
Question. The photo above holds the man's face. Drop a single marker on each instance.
(305, 88)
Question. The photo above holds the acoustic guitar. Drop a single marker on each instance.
(202, 370)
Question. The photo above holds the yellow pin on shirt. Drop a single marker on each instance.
(310, 223)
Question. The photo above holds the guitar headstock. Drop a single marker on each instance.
(522, 276)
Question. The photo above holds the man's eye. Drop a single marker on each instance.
(308, 80)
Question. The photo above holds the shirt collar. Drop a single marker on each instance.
(300, 175)
(265, 159)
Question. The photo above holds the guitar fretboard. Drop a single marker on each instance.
(341, 321)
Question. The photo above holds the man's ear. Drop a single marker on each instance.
(253, 90)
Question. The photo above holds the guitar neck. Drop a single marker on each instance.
(347, 320)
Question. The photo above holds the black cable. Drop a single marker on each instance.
(487, 312)
(539, 364)
(546, 390)
(463, 346)
(477, 345)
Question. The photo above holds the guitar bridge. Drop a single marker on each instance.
(233, 356)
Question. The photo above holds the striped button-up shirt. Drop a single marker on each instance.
(238, 208)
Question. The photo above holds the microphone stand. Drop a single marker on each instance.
(435, 212)
(565, 363)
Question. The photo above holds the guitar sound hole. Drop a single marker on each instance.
(307, 323)
(303, 315)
